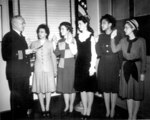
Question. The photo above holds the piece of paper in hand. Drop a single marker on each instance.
(20, 55)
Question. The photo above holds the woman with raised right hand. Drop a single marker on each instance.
(133, 67)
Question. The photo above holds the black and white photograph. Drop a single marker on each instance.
(74, 59)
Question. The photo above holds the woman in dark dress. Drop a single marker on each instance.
(65, 50)
(85, 81)
(108, 67)
(133, 67)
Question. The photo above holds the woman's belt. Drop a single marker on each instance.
(130, 68)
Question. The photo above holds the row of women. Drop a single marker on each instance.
(87, 65)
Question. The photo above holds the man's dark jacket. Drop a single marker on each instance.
(13, 52)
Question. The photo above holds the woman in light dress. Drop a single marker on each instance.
(44, 68)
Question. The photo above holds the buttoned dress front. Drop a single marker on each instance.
(44, 68)
(109, 65)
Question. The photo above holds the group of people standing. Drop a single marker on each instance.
(111, 65)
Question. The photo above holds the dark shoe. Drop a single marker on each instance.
(88, 117)
(71, 114)
(107, 117)
(83, 117)
(43, 114)
(66, 113)
(48, 114)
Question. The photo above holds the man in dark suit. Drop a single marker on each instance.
(17, 56)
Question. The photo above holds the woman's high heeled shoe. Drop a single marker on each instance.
(43, 114)
(48, 114)
(84, 117)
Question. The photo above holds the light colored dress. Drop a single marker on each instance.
(44, 68)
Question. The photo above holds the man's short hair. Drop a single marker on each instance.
(14, 18)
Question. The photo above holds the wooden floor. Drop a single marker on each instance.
(57, 106)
